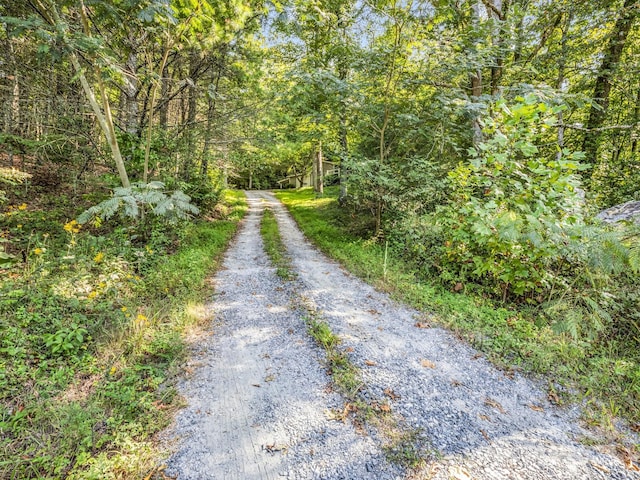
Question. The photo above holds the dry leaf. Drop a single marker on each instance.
(484, 434)
(391, 394)
(370, 363)
(536, 408)
(459, 473)
(456, 383)
(270, 378)
(492, 403)
(458, 287)
(427, 363)
(635, 427)
(373, 311)
(422, 325)
(485, 418)
(385, 408)
(625, 456)
(553, 397)
(599, 467)
(348, 349)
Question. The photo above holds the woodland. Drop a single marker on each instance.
(473, 140)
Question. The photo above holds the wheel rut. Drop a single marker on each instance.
(258, 403)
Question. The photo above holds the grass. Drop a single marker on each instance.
(274, 247)
(606, 378)
(93, 330)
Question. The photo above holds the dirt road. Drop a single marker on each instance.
(260, 403)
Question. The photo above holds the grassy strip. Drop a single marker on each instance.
(101, 384)
(402, 446)
(511, 338)
(274, 247)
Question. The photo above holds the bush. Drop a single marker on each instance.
(512, 210)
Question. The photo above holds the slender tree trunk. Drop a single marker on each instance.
(319, 171)
(606, 72)
(560, 83)
(154, 91)
(500, 16)
(211, 111)
(14, 114)
(130, 91)
(476, 82)
(164, 99)
(636, 120)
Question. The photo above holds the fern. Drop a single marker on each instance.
(139, 199)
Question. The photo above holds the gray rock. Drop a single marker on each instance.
(625, 211)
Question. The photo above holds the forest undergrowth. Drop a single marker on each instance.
(94, 321)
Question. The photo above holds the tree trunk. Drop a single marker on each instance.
(319, 180)
(476, 82)
(602, 89)
(130, 91)
(211, 110)
(164, 99)
(636, 119)
(560, 83)
(502, 10)
(192, 107)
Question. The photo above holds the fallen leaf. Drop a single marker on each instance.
(373, 311)
(270, 378)
(348, 349)
(422, 325)
(484, 434)
(391, 394)
(485, 418)
(458, 287)
(459, 473)
(536, 408)
(599, 467)
(476, 356)
(492, 403)
(273, 448)
(370, 363)
(635, 427)
(427, 363)
(456, 383)
(553, 397)
(625, 456)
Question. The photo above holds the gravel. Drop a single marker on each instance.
(477, 422)
(259, 402)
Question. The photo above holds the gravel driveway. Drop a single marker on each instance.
(259, 403)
